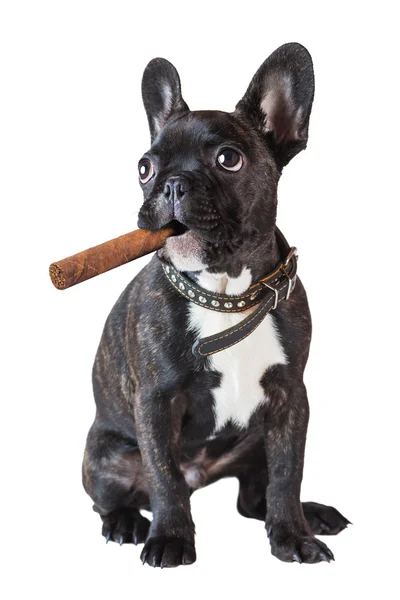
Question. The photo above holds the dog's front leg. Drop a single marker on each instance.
(171, 537)
(285, 436)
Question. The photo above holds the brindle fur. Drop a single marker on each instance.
(148, 445)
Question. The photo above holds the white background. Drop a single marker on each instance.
(72, 131)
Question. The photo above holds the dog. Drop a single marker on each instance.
(199, 372)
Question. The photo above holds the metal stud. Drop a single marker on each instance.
(241, 304)
(181, 286)
(173, 278)
(214, 302)
(228, 304)
(191, 294)
(202, 299)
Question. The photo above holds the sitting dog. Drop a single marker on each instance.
(199, 372)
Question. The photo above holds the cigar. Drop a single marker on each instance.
(104, 257)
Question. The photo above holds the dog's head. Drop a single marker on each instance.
(214, 175)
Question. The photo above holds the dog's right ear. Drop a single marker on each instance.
(161, 92)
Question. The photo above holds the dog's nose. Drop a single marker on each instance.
(176, 187)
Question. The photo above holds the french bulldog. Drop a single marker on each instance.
(170, 417)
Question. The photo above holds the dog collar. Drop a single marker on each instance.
(265, 294)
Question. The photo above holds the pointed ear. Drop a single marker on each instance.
(161, 92)
(279, 98)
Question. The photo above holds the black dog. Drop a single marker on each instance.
(199, 373)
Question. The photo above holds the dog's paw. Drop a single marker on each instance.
(125, 526)
(324, 520)
(164, 551)
(289, 546)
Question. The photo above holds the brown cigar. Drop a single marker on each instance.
(99, 259)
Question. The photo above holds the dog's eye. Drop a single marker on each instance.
(146, 170)
(230, 159)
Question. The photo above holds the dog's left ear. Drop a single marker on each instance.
(278, 101)
(161, 92)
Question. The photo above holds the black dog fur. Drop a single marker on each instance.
(150, 445)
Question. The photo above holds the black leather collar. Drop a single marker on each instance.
(265, 294)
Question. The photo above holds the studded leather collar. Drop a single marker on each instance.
(265, 294)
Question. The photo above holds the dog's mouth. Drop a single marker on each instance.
(184, 249)
(179, 227)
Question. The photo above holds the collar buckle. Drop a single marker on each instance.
(276, 292)
(291, 280)
(292, 252)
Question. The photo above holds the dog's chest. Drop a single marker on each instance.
(241, 366)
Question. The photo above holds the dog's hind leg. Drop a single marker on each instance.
(251, 503)
(113, 477)
(324, 520)
(246, 460)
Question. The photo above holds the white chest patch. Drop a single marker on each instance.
(242, 365)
